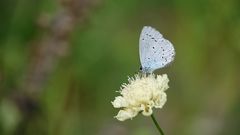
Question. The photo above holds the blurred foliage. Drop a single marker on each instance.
(204, 79)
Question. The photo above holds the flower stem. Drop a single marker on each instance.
(157, 125)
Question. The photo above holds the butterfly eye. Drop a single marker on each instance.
(140, 68)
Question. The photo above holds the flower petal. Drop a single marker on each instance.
(126, 114)
(119, 102)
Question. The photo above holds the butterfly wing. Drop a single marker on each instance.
(155, 51)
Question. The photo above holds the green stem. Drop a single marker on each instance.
(157, 125)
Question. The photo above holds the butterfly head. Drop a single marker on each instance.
(146, 70)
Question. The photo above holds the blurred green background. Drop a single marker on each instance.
(72, 77)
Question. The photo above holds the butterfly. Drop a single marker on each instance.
(155, 51)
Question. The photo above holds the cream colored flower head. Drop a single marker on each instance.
(141, 95)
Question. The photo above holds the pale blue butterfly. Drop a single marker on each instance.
(155, 51)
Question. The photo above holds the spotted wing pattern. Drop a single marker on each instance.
(155, 51)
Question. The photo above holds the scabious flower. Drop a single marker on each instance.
(141, 95)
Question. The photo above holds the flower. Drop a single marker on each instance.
(141, 95)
